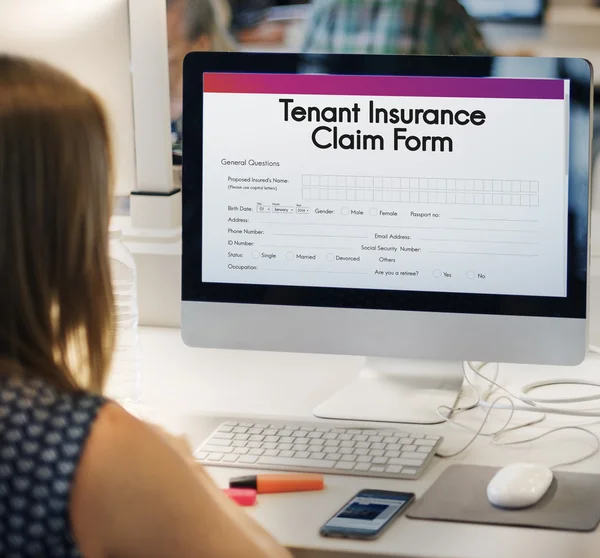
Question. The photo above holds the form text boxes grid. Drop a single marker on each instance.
(421, 190)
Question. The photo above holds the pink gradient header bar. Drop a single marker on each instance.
(384, 86)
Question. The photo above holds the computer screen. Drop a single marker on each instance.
(386, 206)
(386, 183)
(505, 10)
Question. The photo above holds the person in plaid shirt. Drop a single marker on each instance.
(393, 27)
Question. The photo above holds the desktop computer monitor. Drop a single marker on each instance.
(418, 211)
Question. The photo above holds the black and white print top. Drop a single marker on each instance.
(42, 435)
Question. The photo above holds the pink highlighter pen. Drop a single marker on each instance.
(242, 496)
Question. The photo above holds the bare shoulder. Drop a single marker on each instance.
(136, 495)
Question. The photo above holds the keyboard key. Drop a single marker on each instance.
(239, 444)
(256, 438)
(390, 440)
(424, 449)
(394, 447)
(354, 431)
(348, 458)
(409, 471)
(344, 466)
(240, 430)
(284, 447)
(307, 428)
(316, 443)
(375, 439)
(332, 443)
(255, 430)
(299, 434)
(272, 452)
(406, 462)
(230, 458)
(364, 459)
(377, 469)
(426, 442)
(256, 452)
(242, 437)
(322, 429)
(302, 454)
(344, 437)
(345, 451)
(347, 444)
(217, 442)
(406, 440)
(287, 440)
(271, 439)
(409, 448)
(363, 445)
(249, 459)
(269, 445)
(247, 424)
(293, 462)
(270, 432)
(392, 454)
(315, 435)
(285, 433)
(362, 467)
(223, 436)
(436, 438)
(359, 438)
(394, 469)
(254, 445)
(214, 457)
(379, 460)
(217, 449)
(241, 451)
(334, 456)
(300, 447)
(338, 430)
(317, 456)
(286, 454)
(378, 446)
(201, 455)
(261, 426)
(330, 436)
(230, 423)
(362, 451)
(412, 455)
(376, 453)
(226, 429)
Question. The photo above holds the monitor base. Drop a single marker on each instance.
(396, 390)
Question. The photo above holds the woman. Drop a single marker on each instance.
(78, 475)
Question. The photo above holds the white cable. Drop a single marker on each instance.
(553, 431)
(531, 406)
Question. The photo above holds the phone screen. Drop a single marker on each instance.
(367, 513)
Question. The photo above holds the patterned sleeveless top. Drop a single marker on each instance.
(42, 435)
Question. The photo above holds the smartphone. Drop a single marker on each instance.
(367, 514)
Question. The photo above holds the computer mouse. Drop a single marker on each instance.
(519, 485)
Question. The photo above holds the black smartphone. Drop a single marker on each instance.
(367, 514)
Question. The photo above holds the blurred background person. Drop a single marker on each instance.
(192, 25)
(250, 25)
(392, 27)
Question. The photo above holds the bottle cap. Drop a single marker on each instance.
(242, 496)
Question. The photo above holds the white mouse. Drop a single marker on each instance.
(519, 485)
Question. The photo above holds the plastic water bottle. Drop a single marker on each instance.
(124, 383)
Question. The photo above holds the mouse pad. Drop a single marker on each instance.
(571, 504)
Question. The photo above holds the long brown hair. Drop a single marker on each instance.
(56, 302)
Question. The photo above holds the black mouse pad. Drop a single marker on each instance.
(571, 504)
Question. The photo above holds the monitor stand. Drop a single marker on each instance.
(396, 390)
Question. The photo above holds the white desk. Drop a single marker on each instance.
(188, 385)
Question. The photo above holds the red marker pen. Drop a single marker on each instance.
(271, 484)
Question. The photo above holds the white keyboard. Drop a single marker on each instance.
(369, 452)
